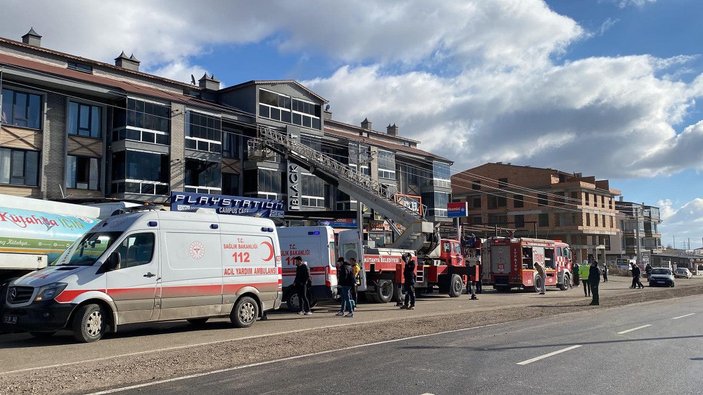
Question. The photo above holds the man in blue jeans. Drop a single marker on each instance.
(345, 276)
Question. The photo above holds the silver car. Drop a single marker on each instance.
(682, 272)
(661, 276)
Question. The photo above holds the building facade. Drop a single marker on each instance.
(77, 129)
(542, 203)
(639, 224)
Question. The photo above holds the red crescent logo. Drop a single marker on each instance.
(271, 251)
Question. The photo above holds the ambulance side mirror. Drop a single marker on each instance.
(113, 262)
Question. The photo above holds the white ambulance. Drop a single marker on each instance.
(315, 244)
(153, 266)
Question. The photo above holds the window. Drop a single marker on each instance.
(386, 165)
(84, 120)
(306, 114)
(82, 172)
(142, 121)
(518, 201)
(140, 172)
(230, 184)
(441, 174)
(19, 167)
(82, 67)
(204, 132)
(269, 181)
(136, 250)
(502, 183)
(476, 185)
(543, 220)
(519, 221)
(231, 144)
(542, 200)
(21, 109)
(275, 106)
(312, 191)
(200, 173)
(476, 202)
(436, 203)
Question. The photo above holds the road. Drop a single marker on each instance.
(144, 353)
(652, 347)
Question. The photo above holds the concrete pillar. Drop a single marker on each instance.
(177, 147)
(53, 147)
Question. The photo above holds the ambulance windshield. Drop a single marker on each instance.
(87, 250)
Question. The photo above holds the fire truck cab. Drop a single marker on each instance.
(510, 262)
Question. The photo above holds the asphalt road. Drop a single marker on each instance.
(652, 347)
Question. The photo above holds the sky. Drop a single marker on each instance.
(606, 88)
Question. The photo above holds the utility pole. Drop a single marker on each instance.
(637, 233)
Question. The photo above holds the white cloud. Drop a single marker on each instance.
(684, 223)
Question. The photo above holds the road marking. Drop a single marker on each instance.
(634, 329)
(551, 354)
(683, 316)
(291, 358)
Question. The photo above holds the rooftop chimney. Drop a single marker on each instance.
(32, 38)
(366, 124)
(129, 63)
(209, 83)
(392, 130)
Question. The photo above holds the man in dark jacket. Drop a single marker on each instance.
(301, 283)
(409, 284)
(594, 280)
(636, 273)
(345, 276)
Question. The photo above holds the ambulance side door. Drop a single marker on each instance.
(133, 284)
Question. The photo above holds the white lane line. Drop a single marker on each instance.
(291, 358)
(683, 316)
(551, 354)
(634, 329)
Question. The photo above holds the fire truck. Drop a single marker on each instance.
(510, 263)
(443, 267)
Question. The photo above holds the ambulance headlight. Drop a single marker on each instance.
(49, 292)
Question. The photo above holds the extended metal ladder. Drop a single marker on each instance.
(350, 181)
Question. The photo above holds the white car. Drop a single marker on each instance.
(682, 272)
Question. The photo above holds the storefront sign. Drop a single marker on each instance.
(293, 186)
(457, 209)
(235, 205)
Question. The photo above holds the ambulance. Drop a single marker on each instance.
(315, 244)
(152, 266)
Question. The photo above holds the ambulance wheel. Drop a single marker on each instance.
(384, 291)
(456, 286)
(89, 323)
(197, 322)
(244, 313)
(293, 302)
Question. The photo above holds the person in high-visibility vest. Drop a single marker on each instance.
(583, 274)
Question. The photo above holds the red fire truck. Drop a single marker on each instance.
(509, 262)
(382, 273)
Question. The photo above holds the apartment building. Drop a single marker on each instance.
(639, 224)
(543, 203)
(77, 129)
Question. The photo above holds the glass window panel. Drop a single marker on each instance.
(275, 114)
(297, 119)
(132, 187)
(18, 164)
(72, 118)
(148, 189)
(5, 155)
(7, 100)
(264, 111)
(84, 120)
(70, 171)
(34, 111)
(96, 122)
(94, 174)
(20, 113)
(148, 137)
(285, 116)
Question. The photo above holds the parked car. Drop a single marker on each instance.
(682, 272)
(661, 276)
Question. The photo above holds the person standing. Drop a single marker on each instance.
(542, 286)
(472, 273)
(636, 274)
(346, 281)
(605, 273)
(575, 274)
(301, 283)
(593, 280)
(583, 273)
(409, 284)
(356, 270)
(648, 270)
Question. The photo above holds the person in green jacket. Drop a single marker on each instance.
(583, 274)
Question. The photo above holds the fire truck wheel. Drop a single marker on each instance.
(456, 286)
(244, 313)
(384, 291)
(566, 284)
(89, 323)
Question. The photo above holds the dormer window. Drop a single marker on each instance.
(82, 67)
